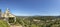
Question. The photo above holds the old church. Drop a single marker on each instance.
(8, 16)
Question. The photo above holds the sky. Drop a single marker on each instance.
(31, 7)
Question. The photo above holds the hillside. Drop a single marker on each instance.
(39, 21)
(3, 24)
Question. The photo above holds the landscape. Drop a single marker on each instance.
(29, 13)
(38, 21)
(35, 21)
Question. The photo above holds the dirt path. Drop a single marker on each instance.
(14, 26)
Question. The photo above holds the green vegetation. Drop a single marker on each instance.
(11, 19)
(39, 21)
(3, 24)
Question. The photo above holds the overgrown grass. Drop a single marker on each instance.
(3, 23)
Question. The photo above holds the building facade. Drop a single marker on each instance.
(9, 17)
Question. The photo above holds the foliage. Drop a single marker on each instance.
(39, 21)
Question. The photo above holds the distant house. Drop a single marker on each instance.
(9, 17)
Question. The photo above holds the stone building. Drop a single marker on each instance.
(9, 17)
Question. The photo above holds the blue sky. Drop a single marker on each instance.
(31, 7)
